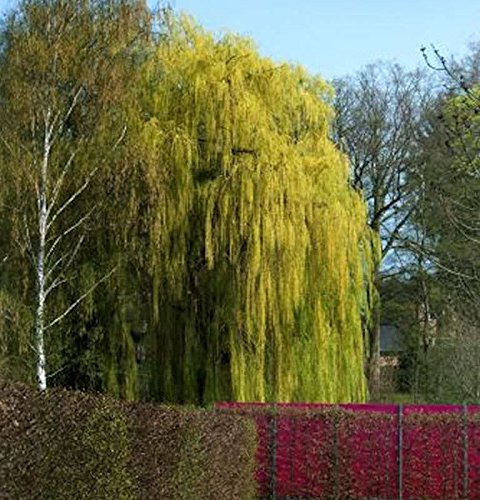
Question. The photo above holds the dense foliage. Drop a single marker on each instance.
(452, 226)
(262, 285)
(360, 451)
(65, 444)
(174, 200)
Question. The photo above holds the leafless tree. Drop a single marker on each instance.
(378, 125)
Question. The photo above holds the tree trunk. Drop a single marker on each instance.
(40, 264)
(373, 354)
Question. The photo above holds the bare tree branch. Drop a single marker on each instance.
(79, 300)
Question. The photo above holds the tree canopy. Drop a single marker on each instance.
(274, 248)
(242, 257)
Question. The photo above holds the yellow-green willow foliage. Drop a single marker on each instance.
(258, 252)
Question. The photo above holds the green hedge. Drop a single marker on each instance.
(64, 444)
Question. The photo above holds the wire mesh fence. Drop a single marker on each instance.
(361, 451)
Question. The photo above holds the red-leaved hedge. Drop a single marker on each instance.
(360, 451)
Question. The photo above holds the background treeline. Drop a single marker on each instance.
(176, 221)
(413, 143)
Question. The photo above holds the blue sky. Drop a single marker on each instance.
(336, 37)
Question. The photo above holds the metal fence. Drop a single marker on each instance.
(380, 451)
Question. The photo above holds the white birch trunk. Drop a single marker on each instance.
(40, 263)
(50, 268)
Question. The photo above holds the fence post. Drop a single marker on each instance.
(273, 451)
(400, 451)
(465, 451)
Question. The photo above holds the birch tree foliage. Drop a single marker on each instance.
(259, 252)
(62, 83)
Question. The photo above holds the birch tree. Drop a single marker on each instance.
(61, 113)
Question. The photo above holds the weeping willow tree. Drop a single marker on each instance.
(258, 254)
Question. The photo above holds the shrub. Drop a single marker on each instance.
(361, 451)
(186, 454)
(64, 444)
